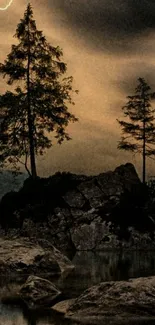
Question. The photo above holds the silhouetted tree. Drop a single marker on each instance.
(140, 127)
(38, 105)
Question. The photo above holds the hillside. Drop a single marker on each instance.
(10, 182)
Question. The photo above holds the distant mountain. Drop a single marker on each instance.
(9, 181)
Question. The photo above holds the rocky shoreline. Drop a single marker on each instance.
(23, 257)
(66, 212)
(115, 302)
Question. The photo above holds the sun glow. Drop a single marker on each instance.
(7, 6)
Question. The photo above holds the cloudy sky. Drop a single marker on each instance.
(107, 45)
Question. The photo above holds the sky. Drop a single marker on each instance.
(107, 45)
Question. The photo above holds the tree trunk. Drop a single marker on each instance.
(144, 155)
(144, 143)
(30, 119)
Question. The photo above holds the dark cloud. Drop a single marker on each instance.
(108, 24)
(128, 79)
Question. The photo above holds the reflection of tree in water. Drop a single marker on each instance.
(32, 321)
(123, 268)
(152, 264)
(29, 317)
(95, 267)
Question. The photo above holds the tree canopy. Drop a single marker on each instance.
(139, 130)
(39, 103)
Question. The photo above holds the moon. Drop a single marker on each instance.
(7, 6)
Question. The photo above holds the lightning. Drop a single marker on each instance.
(7, 6)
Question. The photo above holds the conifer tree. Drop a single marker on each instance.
(140, 128)
(39, 103)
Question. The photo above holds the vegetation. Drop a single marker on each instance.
(140, 128)
(36, 200)
(38, 105)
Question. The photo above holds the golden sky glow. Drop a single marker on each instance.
(105, 63)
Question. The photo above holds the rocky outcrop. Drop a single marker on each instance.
(134, 298)
(82, 213)
(21, 257)
(39, 293)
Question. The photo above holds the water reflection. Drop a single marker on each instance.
(11, 316)
(91, 268)
(14, 316)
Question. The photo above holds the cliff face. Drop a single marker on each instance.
(81, 212)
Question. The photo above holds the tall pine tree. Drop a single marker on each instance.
(39, 103)
(140, 128)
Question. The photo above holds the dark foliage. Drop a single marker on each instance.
(139, 128)
(132, 211)
(39, 103)
(36, 200)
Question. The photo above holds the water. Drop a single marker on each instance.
(91, 268)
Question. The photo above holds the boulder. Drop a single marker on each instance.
(94, 236)
(110, 184)
(20, 257)
(62, 306)
(90, 189)
(64, 263)
(74, 199)
(134, 298)
(39, 293)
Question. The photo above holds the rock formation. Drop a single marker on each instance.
(22, 257)
(82, 212)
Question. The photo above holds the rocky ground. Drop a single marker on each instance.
(22, 257)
